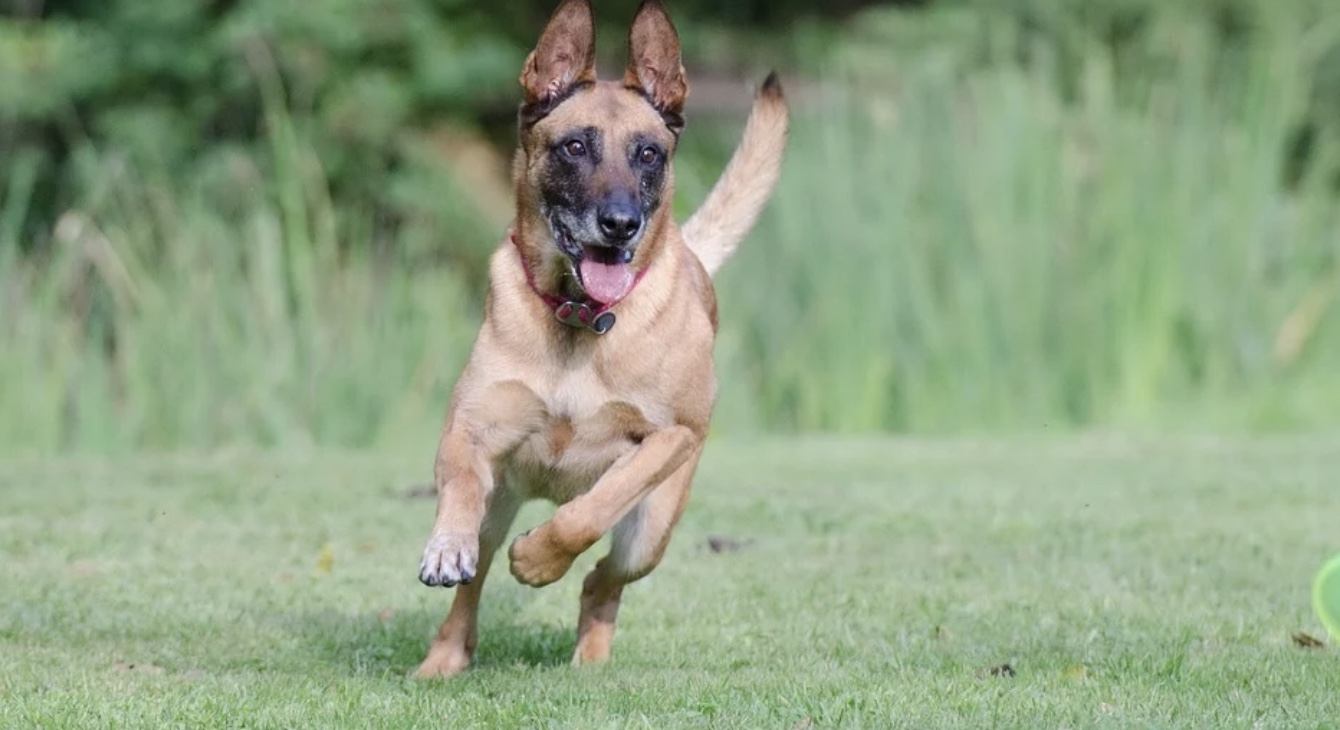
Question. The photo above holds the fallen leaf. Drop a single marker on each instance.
(1079, 671)
(803, 723)
(386, 614)
(325, 562)
(1307, 641)
(943, 633)
(137, 667)
(724, 544)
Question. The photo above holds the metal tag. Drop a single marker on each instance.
(576, 314)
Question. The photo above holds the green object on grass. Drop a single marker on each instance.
(1326, 596)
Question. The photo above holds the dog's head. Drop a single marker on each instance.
(593, 168)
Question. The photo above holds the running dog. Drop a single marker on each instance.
(591, 382)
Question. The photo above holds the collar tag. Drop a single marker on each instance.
(581, 316)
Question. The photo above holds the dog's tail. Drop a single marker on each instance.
(729, 211)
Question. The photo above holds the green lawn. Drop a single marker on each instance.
(1127, 584)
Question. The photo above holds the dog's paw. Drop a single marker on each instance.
(449, 559)
(536, 560)
(442, 662)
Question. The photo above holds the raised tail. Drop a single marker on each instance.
(726, 216)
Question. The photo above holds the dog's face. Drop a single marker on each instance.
(599, 164)
(597, 155)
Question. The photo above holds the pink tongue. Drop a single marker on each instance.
(606, 283)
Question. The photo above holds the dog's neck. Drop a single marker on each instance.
(578, 311)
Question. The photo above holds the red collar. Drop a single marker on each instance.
(584, 313)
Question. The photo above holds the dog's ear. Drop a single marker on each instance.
(654, 65)
(565, 55)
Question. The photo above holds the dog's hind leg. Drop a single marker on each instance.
(639, 541)
(454, 647)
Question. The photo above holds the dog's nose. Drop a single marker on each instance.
(619, 221)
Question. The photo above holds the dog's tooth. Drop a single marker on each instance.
(625, 256)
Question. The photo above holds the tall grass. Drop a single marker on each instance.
(958, 248)
(166, 318)
(953, 247)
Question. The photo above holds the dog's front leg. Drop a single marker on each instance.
(544, 554)
(454, 551)
(487, 425)
(472, 515)
(464, 478)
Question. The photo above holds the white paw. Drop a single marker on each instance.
(449, 559)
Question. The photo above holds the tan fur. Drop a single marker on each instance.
(610, 427)
(730, 210)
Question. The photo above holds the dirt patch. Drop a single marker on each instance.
(1000, 670)
(138, 668)
(725, 544)
(1308, 641)
(419, 491)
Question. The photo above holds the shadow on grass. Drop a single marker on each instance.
(394, 644)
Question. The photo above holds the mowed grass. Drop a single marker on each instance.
(1127, 583)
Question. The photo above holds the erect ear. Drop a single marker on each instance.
(654, 65)
(565, 55)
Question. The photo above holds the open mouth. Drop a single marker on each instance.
(604, 271)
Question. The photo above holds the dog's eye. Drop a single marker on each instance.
(574, 147)
(649, 155)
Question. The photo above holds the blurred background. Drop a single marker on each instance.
(255, 223)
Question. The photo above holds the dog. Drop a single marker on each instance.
(591, 380)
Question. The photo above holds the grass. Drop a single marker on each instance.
(961, 242)
(961, 247)
(1129, 583)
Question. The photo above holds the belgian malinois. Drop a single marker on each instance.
(591, 381)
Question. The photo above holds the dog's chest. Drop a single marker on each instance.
(588, 424)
